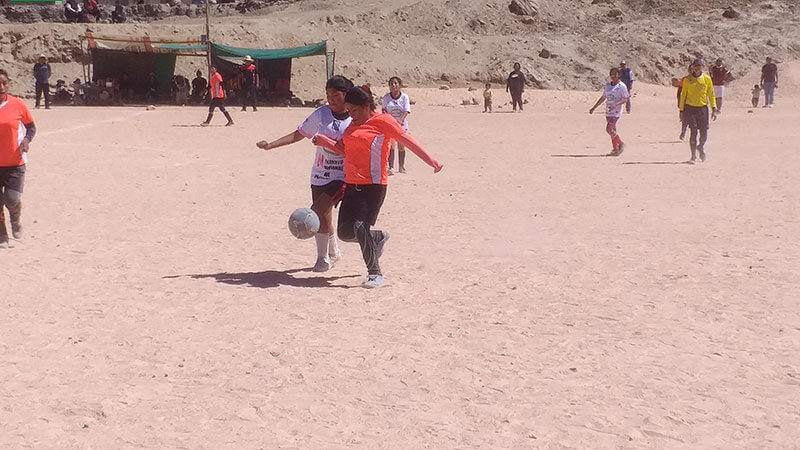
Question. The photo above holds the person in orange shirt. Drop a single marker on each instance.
(365, 146)
(217, 98)
(16, 133)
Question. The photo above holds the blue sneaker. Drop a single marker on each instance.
(373, 281)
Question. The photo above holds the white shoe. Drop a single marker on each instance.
(334, 257)
(373, 281)
(322, 265)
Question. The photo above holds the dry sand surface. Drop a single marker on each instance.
(535, 298)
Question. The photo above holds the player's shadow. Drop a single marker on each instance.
(186, 125)
(604, 155)
(657, 163)
(271, 279)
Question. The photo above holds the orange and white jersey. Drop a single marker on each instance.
(14, 115)
(366, 149)
(216, 86)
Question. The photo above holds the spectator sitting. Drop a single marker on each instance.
(73, 12)
(91, 7)
(118, 15)
(77, 92)
(62, 96)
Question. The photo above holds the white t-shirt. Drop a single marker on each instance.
(615, 93)
(327, 166)
(396, 107)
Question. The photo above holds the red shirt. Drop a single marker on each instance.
(719, 75)
(216, 86)
(366, 149)
(14, 115)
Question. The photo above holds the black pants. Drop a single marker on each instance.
(357, 214)
(516, 99)
(43, 88)
(217, 103)
(697, 118)
(12, 180)
(249, 97)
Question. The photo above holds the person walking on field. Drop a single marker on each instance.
(769, 82)
(626, 76)
(398, 105)
(697, 95)
(217, 98)
(42, 72)
(614, 95)
(249, 83)
(516, 85)
(365, 147)
(719, 76)
(16, 133)
(327, 173)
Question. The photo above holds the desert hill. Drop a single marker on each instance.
(562, 44)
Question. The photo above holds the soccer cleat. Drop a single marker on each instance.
(702, 156)
(373, 281)
(380, 244)
(402, 170)
(230, 122)
(205, 124)
(621, 149)
(322, 265)
(334, 257)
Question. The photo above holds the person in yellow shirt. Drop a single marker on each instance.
(696, 96)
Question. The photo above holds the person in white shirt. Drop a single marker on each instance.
(327, 173)
(398, 105)
(615, 95)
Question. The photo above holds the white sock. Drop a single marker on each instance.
(322, 244)
(333, 245)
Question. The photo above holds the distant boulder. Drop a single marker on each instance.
(730, 13)
(524, 8)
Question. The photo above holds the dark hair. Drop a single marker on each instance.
(339, 83)
(3, 73)
(360, 96)
(614, 70)
(517, 64)
(399, 81)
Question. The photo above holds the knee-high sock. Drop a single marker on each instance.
(333, 246)
(322, 244)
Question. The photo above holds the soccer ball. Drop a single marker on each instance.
(304, 223)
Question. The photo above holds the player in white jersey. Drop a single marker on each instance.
(398, 105)
(615, 95)
(327, 173)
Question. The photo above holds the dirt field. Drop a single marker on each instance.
(538, 295)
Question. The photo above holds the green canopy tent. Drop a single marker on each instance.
(116, 58)
(274, 67)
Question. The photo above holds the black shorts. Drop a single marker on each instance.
(12, 178)
(696, 117)
(362, 203)
(334, 190)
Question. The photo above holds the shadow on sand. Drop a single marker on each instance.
(271, 279)
(657, 163)
(604, 155)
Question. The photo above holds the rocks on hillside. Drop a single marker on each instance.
(730, 13)
(524, 8)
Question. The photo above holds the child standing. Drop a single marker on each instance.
(615, 95)
(398, 105)
(756, 95)
(487, 98)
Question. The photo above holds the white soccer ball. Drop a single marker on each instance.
(304, 223)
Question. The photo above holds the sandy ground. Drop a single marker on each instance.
(538, 295)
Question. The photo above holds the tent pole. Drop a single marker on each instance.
(208, 43)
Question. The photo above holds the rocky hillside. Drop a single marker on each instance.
(561, 44)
